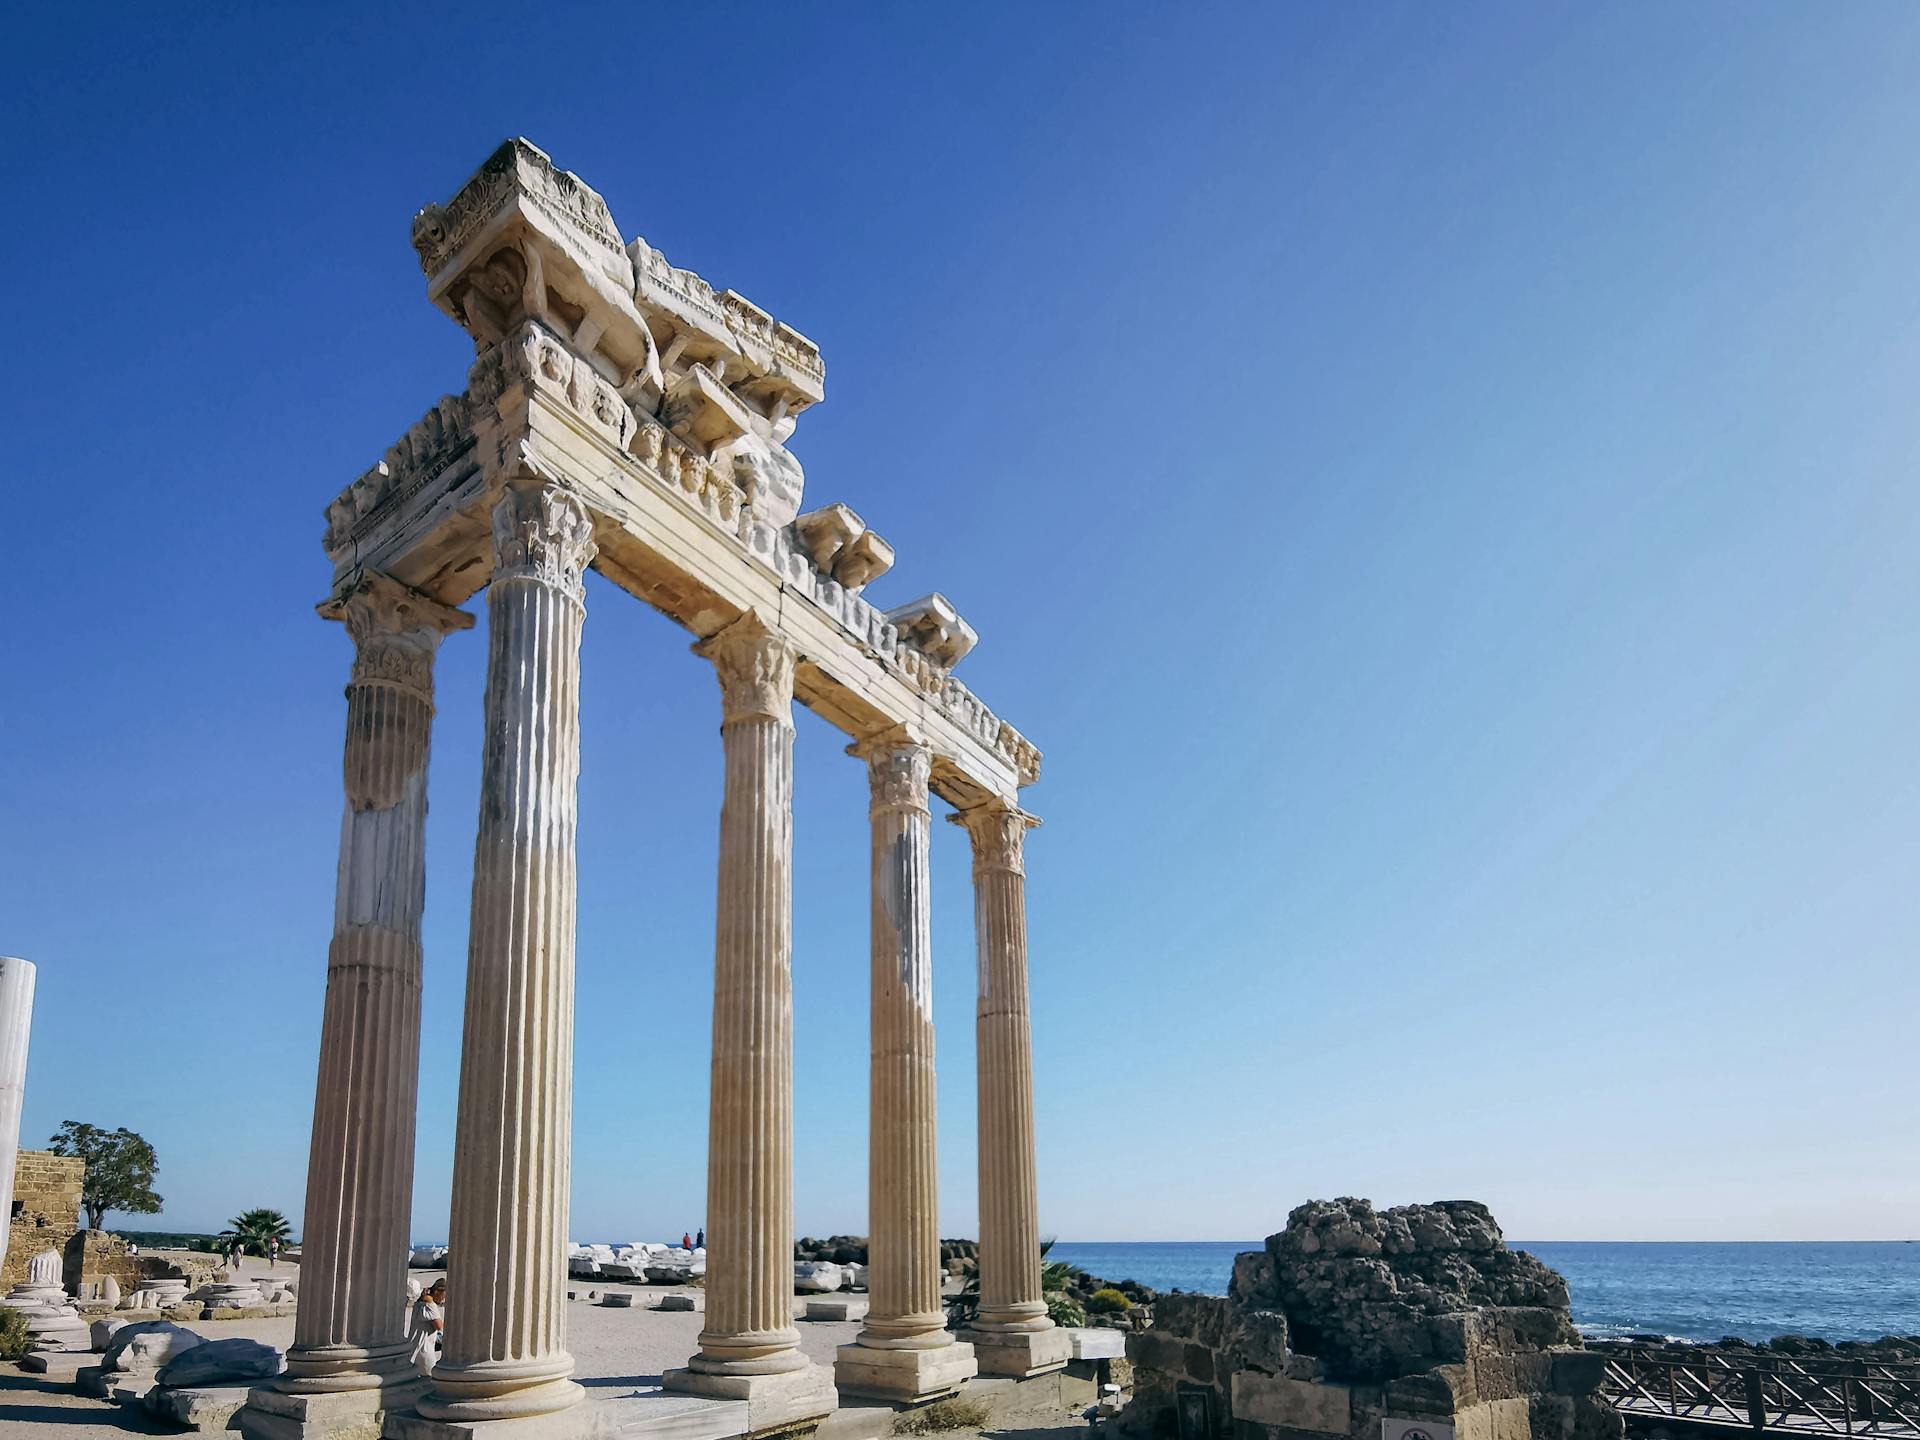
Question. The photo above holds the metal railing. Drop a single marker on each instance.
(1767, 1393)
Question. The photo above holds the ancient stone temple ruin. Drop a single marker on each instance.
(1414, 1323)
(622, 414)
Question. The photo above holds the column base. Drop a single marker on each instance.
(903, 1375)
(1020, 1353)
(274, 1414)
(773, 1401)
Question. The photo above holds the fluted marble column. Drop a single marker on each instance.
(16, 1024)
(505, 1354)
(350, 1333)
(749, 1348)
(1011, 1334)
(905, 1350)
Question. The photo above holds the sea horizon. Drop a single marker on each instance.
(1699, 1290)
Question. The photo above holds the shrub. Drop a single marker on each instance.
(1108, 1302)
(956, 1412)
(1062, 1310)
(14, 1335)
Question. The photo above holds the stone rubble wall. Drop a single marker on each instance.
(46, 1198)
(1351, 1316)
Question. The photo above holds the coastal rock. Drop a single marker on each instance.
(1366, 1291)
(1352, 1315)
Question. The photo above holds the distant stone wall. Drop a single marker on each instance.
(46, 1209)
(93, 1255)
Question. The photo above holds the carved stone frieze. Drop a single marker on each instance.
(754, 663)
(543, 533)
(536, 358)
(517, 168)
(433, 443)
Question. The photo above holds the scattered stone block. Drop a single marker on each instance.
(835, 1308)
(208, 1409)
(222, 1362)
(618, 1299)
(1090, 1344)
(682, 1302)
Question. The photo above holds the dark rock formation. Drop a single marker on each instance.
(1377, 1294)
(1352, 1320)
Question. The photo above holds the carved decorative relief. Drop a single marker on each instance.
(543, 533)
(515, 168)
(754, 664)
(999, 832)
(435, 440)
(899, 767)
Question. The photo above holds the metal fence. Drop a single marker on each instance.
(1767, 1393)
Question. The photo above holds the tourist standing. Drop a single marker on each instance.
(429, 1320)
(239, 1249)
(700, 1240)
(686, 1240)
(273, 1251)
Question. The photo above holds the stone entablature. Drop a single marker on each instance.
(664, 405)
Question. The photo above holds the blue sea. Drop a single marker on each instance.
(1833, 1291)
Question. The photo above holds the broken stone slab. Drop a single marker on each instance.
(618, 1299)
(817, 1276)
(835, 1308)
(101, 1331)
(222, 1362)
(695, 1302)
(62, 1366)
(206, 1409)
(1093, 1344)
(148, 1344)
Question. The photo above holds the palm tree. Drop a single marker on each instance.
(253, 1228)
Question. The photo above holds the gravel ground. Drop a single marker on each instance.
(614, 1350)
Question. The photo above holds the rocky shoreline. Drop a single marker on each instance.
(1887, 1350)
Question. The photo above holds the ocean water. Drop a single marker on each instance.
(1833, 1291)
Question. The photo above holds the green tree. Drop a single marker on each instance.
(254, 1228)
(120, 1170)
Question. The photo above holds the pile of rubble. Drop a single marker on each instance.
(1357, 1322)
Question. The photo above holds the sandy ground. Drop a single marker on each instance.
(615, 1350)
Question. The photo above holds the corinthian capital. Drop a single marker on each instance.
(395, 631)
(543, 533)
(899, 767)
(998, 828)
(755, 666)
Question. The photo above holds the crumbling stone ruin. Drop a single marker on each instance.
(1359, 1322)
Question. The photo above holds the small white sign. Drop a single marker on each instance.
(1392, 1428)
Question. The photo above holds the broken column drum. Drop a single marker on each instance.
(624, 415)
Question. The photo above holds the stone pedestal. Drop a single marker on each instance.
(505, 1354)
(749, 1347)
(16, 1023)
(905, 1351)
(773, 1401)
(350, 1336)
(1012, 1320)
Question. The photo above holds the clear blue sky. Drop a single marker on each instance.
(1437, 482)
